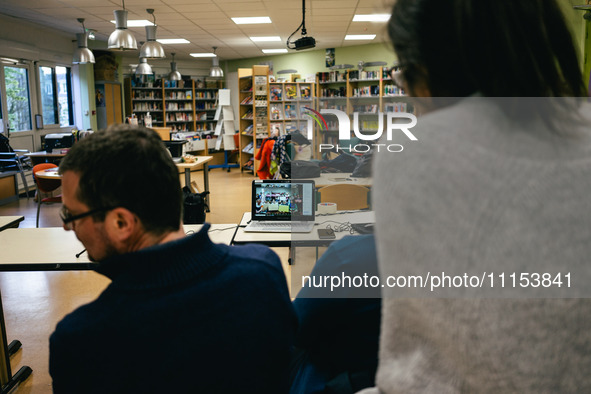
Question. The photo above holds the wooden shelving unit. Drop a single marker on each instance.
(254, 113)
(287, 106)
(186, 108)
(365, 92)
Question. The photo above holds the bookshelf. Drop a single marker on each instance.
(254, 113)
(287, 106)
(366, 92)
(178, 105)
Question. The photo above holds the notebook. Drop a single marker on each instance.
(282, 206)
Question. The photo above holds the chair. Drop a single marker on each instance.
(347, 197)
(12, 162)
(45, 186)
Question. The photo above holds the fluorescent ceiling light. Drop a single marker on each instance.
(173, 41)
(283, 50)
(360, 36)
(372, 18)
(265, 39)
(204, 54)
(137, 23)
(8, 60)
(252, 20)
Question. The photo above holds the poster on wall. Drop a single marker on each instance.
(100, 97)
(329, 57)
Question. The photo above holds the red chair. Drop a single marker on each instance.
(45, 186)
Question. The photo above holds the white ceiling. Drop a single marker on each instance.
(207, 23)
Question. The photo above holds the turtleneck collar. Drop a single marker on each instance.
(165, 264)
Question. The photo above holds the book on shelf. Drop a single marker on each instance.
(246, 101)
(276, 129)
(289, 111)
(291, 92)
(276, 112)
(303, 111)
(290, 127)
(276, 93)
(305, 92)
(303, 127)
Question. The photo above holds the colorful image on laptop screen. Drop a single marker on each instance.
(283, 200)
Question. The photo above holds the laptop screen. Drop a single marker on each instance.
(276, 200)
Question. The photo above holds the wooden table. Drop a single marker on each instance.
(200, 161)
(50, 173)
(48, 249)
(10, 221)
(336, 178)
(44, 157)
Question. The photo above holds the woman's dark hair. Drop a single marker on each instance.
(499, 48)
(128, 167)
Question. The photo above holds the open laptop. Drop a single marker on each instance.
(282, 206)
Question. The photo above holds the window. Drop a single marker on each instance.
(17, 98)
(56, 95)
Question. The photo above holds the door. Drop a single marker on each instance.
(16, 98)
(15, 103)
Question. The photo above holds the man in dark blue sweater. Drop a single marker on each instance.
(182, 315)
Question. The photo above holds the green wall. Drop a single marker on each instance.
(311, 62)
(581, 30)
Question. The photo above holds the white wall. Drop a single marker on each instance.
(37, 44)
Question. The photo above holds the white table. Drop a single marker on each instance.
(10, 221)
(302, 239)
(53, 248)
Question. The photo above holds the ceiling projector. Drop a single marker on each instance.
(304, 43)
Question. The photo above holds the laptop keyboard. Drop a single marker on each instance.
(286, 227)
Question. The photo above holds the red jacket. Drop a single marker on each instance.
(264, 157)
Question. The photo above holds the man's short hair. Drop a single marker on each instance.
(128, 166)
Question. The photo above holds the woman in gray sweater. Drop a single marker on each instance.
(484, 222)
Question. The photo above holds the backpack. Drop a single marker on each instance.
(194, 206)
(4, 144)
(298, 169)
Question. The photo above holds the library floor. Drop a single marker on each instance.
(34, 302)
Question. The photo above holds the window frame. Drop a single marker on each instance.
(70, 94)
(31, 98)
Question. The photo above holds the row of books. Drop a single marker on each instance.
(211, 95)
(187, 95)
(332, 76)
(179, 107)
(179, 117)
(287, 92)
(282, 128)
(334, 92)
(357, 75)
(146, 95)
(393, 90)
(288, 111)
(147, 106)
(367, 91)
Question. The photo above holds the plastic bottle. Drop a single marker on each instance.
(148, 120)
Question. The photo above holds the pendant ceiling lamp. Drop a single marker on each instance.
(174, 74)
(143, 68)
(121, 39)
(216, 71)
(152, 49)
(82, 55)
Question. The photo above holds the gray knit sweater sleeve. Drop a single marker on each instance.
(479, 193)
